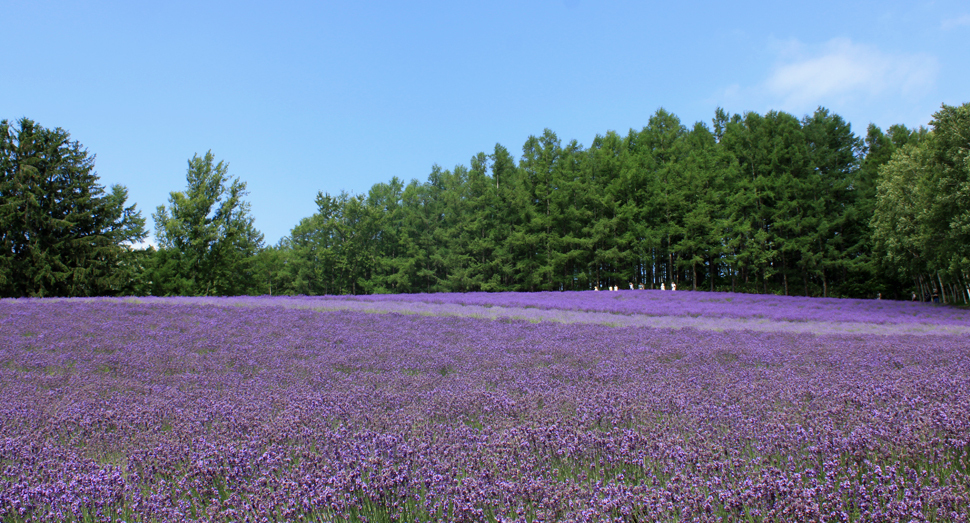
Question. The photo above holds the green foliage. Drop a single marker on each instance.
(755, 203)
(207, 240)
(61, 233)
(921, 216)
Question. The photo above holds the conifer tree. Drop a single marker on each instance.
(61, 233)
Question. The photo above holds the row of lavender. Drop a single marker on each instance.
(542, 307)
(706, 304)
(182, 412)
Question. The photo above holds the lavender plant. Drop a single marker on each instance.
(182, 410)
(709, 305)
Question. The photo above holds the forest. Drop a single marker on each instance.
(754, 203)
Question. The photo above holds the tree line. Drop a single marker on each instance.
(748, 203)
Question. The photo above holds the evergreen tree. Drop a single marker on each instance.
(664, 137)
(385, 211)
(505, 174)
(703, 175)
(62, 235)
(837, 195)
(610, 228)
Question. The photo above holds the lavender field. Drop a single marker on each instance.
(625, 406)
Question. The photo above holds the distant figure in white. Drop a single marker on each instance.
(673, 286)
(631, 286)
(662, 287)
(596, 288)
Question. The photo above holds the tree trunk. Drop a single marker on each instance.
(670, 263)
(653, 277)
(942, 287)
(966, 285)
(711, 261)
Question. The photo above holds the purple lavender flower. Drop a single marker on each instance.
(268, 409)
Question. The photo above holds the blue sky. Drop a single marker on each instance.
(300, 97)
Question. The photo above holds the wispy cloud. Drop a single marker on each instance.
(953, 23)
(841, 71)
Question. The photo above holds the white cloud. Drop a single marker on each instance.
(841, 71)
(953, 23)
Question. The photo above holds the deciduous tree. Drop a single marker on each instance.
(208, 232)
